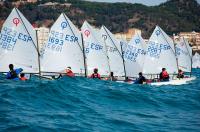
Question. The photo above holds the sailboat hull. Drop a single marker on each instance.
(174, 82)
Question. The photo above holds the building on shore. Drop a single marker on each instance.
(192, 37)
(42, 35)
(128, 35)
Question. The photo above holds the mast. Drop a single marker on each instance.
(36, 31)
(82, 49)
(37, 48)
(84, 56)
(121, 54)
(123, 62)
(104, 39)
(175, 51)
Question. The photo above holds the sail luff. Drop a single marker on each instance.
(112, 41)
(39, 63)
(71, 30)
(84, 56)
(27, 30)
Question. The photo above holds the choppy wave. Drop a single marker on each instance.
(80, 104)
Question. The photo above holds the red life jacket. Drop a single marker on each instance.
(165, 74)
(70, 73)
(96, 75)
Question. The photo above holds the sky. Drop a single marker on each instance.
(145, 2)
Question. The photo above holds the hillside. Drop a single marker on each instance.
(173, 16)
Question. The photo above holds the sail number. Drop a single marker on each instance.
(132, 53)
(9, 37)
(57, 39)
(92, 46)
(180, 51)
(155, 49)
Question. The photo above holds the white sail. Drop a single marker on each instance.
(134, 56)
(95, 50)
(160, 53)
(196, 61)
(64, 48)
(184, 55)
(114, 52)
(18, 45)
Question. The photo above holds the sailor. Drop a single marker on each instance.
(13, 73)
(141, 79)
(128, 80)
(180, 74)
(95, 74)
(112, 78)
(164, 76)
(69, 72)
(22, 77)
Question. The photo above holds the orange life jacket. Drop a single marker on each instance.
(23, 78)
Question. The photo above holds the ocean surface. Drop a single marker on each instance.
(80, 104)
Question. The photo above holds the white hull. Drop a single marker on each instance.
(171, 82)
(174, 82)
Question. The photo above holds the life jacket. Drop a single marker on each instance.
(23, 78)
(13, 74)
(180, 75)
(70, 73)
(165, 75)
(96, 75)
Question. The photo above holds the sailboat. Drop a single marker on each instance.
(160, 54)
(18, 44)
(196, 61)
(134, 55)
(114, 52)
(95, 50)
(63, 49)
(184, 55)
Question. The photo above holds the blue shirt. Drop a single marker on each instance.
(8, 76)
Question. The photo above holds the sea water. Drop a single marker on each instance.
(80, 104)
